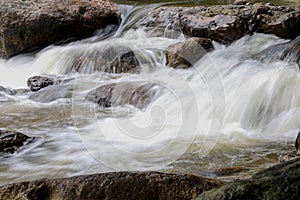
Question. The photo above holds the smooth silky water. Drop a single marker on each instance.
(229, 112)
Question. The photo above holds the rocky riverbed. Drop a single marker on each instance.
(223, 78)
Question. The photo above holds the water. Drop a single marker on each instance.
(230, 110)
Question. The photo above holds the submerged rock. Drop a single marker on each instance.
(126, 63)
(26, 24)
(137, 94)
(54, 93)
(11, 141)
(7, 91)
(117, 185)
(289, 51)
(278, 182)
(185, 54)
(224, 23)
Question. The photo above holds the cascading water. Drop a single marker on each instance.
(228, 110)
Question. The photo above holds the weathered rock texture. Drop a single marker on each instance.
(11, 141)
(26, 24)
(119, 185)
(279, 182)
(224, 23)
(185, 54)
(137, 94)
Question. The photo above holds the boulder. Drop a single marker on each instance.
(27, 24)
(185, 54)
(224, 23)
(289, 51)
(115, 185)
(138, 94)
(126, 63)
(11, 141)
(278, 182)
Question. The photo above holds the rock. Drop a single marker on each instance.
(36, 83)
(54, 93)
(11, 141)
(137, 94)
(7, 91)
(115, 185)
(26, 24)
(225, 23)
(185, 54)
(126, 63)
(240, 2)
(289, 51)
(297, 143)
(278, 182)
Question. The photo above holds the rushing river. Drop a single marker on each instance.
(229, 110)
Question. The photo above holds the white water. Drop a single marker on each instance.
(229, 109)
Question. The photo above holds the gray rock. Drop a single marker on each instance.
(289, 51)
(278, 182)
(117, 185)
(185, 54)
(36, 83)
(137, 94)
(26, 24)
(11, 141)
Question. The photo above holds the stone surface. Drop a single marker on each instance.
(26, 24)
(11, 141)
(126, 63)
(289, 51)
(138, 94)
(185, 54)
(36, 83)
(223, 24)
(118, 185)
(7, 91)
(278, 182)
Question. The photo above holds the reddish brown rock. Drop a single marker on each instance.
(118, 185)
(225, 23)
(26, 24)
(185, 54)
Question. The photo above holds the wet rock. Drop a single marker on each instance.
(297, 144)
(293, 155)
(289, 51)
(36, 83)
(185, 54)
(54, 93)
(27, 24)
(126, 63)
(278, 182)
(11, 141)
(7, 91)
(137, 94)
(223, 23)
(240, 2)
(117, 185)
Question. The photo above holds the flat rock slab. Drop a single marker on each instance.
(26, 24)
(223, 24)
(118, 185)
